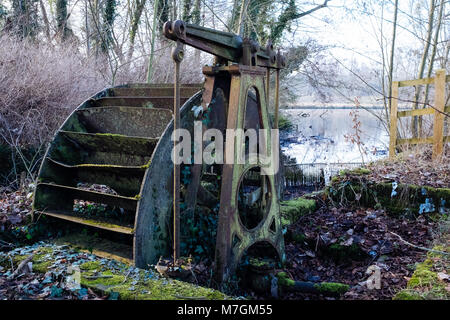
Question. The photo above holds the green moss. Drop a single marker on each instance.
(407, 295)
(292, 210)
(90, 265)
(261, 264)
(101, 223)
(332, 288)
(422, 277)
(356, 172)
(434, 254)
(40, 259)
(101, 279)
(406, 201)
(102, 282)
(284, 281)
(335, 179)
(145, 166)
(424, 283)
(74, 124)
(298, 237)
(101, 247)
(110, 134)
(153, 289)
(284, 123)
(42, 267)
(341, 253)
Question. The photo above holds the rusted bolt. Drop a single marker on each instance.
(167, 29)
(179, 28)
(178, 52)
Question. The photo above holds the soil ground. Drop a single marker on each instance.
(333, 244)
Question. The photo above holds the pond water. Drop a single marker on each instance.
(319, 135)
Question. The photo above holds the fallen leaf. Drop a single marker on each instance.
(348, 242)
(443, 276)
(310, 254)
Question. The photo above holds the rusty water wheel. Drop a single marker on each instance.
(108, 170)
(113, 154)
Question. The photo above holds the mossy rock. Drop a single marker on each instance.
(292, 210)
(117, 282)
(150, 289)
(407, 199)
(40, 264)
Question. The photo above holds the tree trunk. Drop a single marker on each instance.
(45, 18)
(92, 20)
(174, 10)
(434, 48)
(242, 17)
(152, 46)
(233, 23)
(87, 29)
(187, 5)
(61, 20)
(414, 121)
(391, 60)
(25, 19)
(108, 23)
(163, 12)
(134, 26)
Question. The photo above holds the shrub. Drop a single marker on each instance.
(39, 86)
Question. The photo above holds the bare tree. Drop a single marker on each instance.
(415, 119)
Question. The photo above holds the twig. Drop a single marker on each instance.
(6, 244)
(419, 247)
(12, 264)
(317, 242)
(22, 265)
(126, 276)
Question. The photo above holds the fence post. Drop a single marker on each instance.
(393, 124)
(439, 104)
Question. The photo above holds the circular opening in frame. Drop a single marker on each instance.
(254, 197)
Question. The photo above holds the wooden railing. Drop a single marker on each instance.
(438, 110)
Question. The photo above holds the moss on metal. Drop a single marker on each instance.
(332, 288)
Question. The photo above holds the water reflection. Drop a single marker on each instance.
(318, 136)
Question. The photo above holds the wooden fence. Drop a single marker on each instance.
(439, 109)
